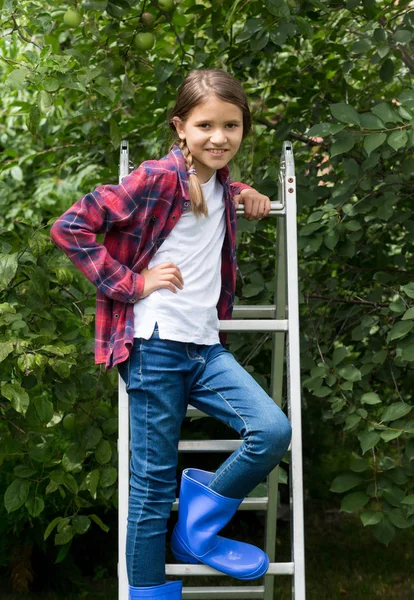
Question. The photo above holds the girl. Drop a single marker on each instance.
(165, 276)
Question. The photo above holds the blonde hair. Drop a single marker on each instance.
(197, 87)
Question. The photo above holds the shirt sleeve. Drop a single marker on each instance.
(236, 188)
(97, 212)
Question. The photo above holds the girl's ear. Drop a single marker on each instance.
(179, 127)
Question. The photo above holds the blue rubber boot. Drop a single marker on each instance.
(202, 513)
(167, 591)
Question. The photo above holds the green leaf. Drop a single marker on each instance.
(396, 411)
(279, 8)
(359, 464)
(408, 500)
(368, 440)
(51, 84)
(371, 398)
(384, 531)
(398, 519)
(371, 121)
(35, 505)
(342, 144)
(18, 397)
(16, 494)
(373, 141)
(115, 134)
(64, 536)
(385, 113)
(70, 483)
(108, 476)
(408, 353)
(387, 70)
(252, 289)
(8, 269)
(5, 349)
(51, 527)
(92, 437)
(100, 523)
(44, 408)
(399, 330)
(16, 79)
(397, 139)
(408, 289)
(324, 129)
(345, 113)
(387, 436)
(339, 354)
(45, 102)
(345, 482)
(402, 36)
(24, 471)
(81, 524)
(354, 501)
(350, 373)
(92, 480)
(409, 314)
(370, 517)
(103, 452)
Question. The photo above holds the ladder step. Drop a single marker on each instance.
(247, 592)
(258, 311)
(209, 445)
(199, 570)
(266, 325)
(276, 208)
(259, 503)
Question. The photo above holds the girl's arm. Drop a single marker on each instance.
(236, 188)
(97, 212)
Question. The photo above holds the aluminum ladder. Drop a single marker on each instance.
(282, 319)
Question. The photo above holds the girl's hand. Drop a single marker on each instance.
(256, 205)
(166, 275)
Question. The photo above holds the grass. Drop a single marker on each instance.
(343, 561)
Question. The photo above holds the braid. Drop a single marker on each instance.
(198, 203)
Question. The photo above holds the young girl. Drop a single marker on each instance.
(165, 276)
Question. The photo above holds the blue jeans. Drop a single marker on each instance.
(162, 377)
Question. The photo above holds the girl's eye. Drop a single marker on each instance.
(232, 125)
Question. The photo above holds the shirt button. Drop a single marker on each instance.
(186, 203)
(173, 217)
(153, 218)
(116, 316)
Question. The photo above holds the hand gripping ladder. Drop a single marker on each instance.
(282, 319)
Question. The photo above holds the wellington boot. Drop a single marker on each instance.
(167, 591)
(202, 513)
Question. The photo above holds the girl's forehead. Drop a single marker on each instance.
(215, 109)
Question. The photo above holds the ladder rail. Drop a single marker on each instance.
(293, 380)
(284, 330)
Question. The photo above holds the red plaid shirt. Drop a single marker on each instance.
(136, 216)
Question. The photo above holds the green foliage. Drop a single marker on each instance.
(335, 79)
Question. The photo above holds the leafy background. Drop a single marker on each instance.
(333, 77)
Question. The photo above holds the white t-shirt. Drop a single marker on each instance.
(194, 245)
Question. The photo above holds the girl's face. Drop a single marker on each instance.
(212, 125)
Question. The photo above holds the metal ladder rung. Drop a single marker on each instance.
(259, 311)
(266, 325)
(209, 445)
(274, 569)
(247, 592)
(276, 208)
(259, 503)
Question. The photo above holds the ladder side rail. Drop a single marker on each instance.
(276, 386)
(123, 442)
(293, 380)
